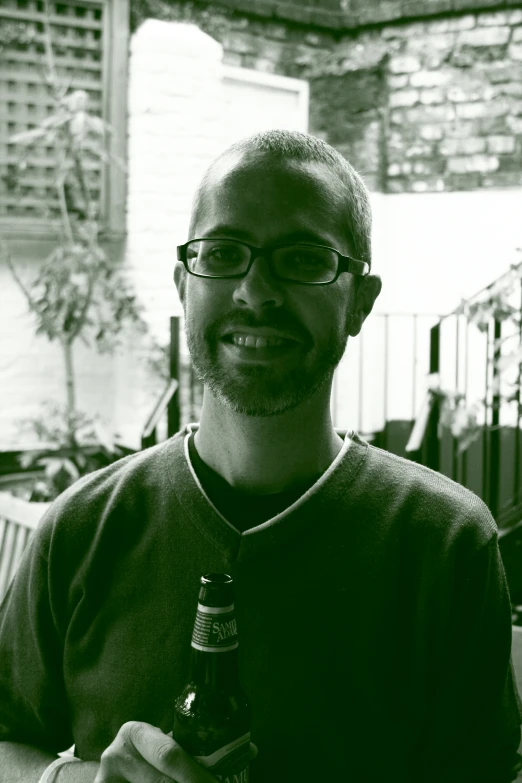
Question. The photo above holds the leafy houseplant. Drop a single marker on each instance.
(456, 414)
(79, 294)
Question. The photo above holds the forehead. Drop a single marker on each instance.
(271, 195)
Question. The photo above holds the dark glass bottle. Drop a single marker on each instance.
(212, 714)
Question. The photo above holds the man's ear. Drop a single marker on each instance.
(367, 291)
(180, 280)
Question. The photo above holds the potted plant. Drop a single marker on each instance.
(79, 293)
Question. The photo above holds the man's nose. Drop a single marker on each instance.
(259, 288)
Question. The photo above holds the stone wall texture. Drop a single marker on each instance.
(331, 14)
(416, 106)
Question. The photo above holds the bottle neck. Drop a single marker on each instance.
(215, 669)
(214, 646)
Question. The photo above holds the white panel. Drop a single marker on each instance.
(185, 107)
(256, 101)
(434, 249)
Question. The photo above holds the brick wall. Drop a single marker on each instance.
(421, 106)
(455, 99)
(336, 15)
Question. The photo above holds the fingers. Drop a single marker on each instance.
(165, 754)
(142, 753)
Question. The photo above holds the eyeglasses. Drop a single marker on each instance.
(304, 264)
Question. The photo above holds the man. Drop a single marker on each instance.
(372, 606)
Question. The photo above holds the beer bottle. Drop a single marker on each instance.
(212, 714)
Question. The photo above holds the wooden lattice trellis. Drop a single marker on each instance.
(89, 44)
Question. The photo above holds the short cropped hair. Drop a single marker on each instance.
(294, 145)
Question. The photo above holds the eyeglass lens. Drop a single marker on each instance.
(301, 263)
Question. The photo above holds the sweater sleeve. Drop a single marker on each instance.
(473, 732)
(33, 702)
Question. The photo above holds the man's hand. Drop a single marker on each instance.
(141, 753)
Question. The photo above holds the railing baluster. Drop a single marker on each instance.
(415, 361)
(361, 370)
(385, 396)
(485, 434)
(466, 380)
(435, 348)
(173, 409)
(516, 480)
(432, 438)
(454, 442)
(494, 487)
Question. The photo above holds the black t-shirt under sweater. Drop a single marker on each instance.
(244, 509)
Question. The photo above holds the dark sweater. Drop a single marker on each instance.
(374, 619)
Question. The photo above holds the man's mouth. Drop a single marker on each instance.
(251, 341)
(248, 347)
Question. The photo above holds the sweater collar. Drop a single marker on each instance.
(312, 505)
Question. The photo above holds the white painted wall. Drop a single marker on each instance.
(254, 101)
(32, 368)
(437, 248)
(431, 250)
(185, 107)
(175, 107)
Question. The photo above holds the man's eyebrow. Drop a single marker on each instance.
(294, 236)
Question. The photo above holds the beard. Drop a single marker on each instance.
(264, 389)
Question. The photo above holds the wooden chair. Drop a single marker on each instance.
(18, 519)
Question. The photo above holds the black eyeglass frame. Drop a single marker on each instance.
(344, 263)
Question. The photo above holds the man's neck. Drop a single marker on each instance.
(268, 454)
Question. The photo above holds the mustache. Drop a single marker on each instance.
(279, 320)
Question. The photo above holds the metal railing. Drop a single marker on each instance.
(168, 404)
(381, 380)
(467, 360)
(149, 436)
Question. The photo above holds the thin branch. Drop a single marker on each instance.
(81, 176)
(65, 214)
(63, 204)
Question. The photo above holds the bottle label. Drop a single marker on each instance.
(229, 764)
(239, 776)
(215, 629)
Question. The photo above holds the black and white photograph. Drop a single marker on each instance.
(260, 391)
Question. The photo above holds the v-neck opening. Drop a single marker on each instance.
(234, 543)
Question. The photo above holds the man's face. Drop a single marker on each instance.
(262, 202)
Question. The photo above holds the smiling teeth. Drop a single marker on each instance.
(256, 342)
